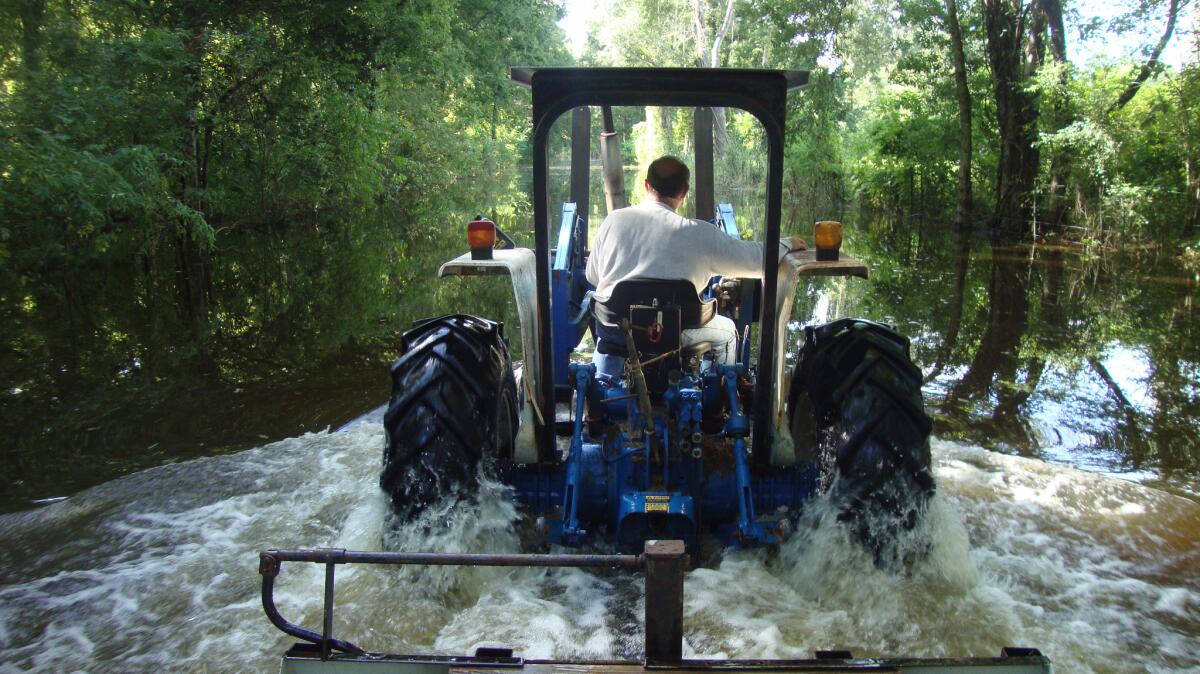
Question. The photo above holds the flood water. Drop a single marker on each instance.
(1066, 394)
(158, 569)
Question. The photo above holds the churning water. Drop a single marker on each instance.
(158, 570)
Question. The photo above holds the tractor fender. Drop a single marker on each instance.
(792, 266)
(521, 266)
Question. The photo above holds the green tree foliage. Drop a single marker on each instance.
(789, 34)
(224, 187)
(879, 125)
(191, 185)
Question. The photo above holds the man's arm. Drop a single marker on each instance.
(733, 257)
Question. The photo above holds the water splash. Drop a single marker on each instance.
(159, 570)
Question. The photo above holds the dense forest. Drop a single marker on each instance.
(236, 191)
(966, 112)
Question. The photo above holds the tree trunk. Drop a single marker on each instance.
(963, 207)
(1011, 400)
(1128, 429)
(192, 272)
(1061, 117)
(710, 57)
(1192, 217)
(1016, 114)
(1175, 411)
(1189, 92)
(720, 134)
(1151, 63)
(912, 196)
(924, 206)
(699, 33)
(33, 13)
(1008, 316)
(962, 261)
(1008, 422)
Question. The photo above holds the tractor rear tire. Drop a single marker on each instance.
(453, 411)
(855, 401)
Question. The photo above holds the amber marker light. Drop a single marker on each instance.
(481, 237)
(827, 236)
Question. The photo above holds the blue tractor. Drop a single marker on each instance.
(682, 446)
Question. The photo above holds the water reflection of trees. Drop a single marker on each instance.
(1175, 381)
(1015, 338)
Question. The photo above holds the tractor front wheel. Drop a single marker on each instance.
(855, 403)
(453, 408)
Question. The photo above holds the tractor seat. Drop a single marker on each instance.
(658, 311)
(650, 292)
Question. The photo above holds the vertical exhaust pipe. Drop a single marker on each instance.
(610, 160)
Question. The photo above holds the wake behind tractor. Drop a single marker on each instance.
(682, 445)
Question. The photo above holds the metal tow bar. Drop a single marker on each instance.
(664, 561)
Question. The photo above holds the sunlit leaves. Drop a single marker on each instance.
(292, 160)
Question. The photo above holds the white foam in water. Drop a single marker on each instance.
(159, 570)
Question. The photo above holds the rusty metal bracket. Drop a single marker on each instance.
(665, 563)
(269, 565)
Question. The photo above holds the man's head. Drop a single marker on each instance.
(667, 179)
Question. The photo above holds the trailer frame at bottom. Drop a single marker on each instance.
(664, 564)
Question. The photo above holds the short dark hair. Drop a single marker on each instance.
(668, 176)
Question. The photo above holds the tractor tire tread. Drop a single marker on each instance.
(855, 400)
(450, 389)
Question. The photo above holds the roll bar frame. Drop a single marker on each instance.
(762, 93)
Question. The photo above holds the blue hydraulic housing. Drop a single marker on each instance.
(630, 485)
(726, 220)
(568, 290)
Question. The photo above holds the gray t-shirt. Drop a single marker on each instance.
(650, 240)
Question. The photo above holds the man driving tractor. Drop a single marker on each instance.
(652, 241)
